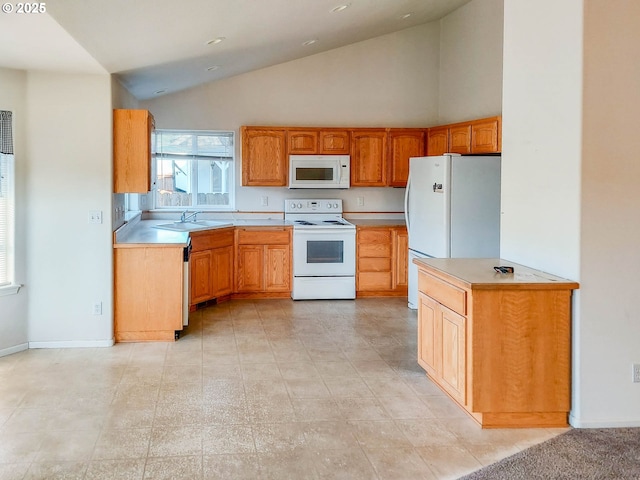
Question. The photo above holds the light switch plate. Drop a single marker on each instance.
(95, 216)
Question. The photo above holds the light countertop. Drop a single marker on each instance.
(478, 273)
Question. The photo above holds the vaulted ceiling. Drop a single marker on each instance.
(162, 46)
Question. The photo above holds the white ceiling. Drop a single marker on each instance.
(162, 44)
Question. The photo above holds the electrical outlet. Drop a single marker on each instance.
(360, 201)
(636, 373)
(97, 308)
(95, 216)
(264, 200)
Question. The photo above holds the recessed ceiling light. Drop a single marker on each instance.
(340, 8)
(309, 42)
(215, 41)
(406, 15)
(158, 92)
(212, 68)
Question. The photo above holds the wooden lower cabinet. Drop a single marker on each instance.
(210, 265)
(499, 345)
(382, 261)
(263, 262)
(148, 293)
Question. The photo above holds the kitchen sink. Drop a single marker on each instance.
(191, 226)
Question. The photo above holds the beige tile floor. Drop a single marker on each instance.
(269, 389)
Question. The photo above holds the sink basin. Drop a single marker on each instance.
(191, 226)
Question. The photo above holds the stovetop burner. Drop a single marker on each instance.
(303, 222)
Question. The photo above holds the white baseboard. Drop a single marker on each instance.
(73, 344)
(602, 423)
(15, 349)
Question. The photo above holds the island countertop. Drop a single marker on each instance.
(478, 273)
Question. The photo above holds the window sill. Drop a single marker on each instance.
(9, 289)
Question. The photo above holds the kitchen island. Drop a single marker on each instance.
(498, 344)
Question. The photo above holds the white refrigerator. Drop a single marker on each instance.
(452, 210)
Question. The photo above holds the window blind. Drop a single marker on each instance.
(6, 195)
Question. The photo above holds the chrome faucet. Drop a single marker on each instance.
(184, 217)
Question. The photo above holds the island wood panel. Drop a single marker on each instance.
(526, 364)
(148, 290)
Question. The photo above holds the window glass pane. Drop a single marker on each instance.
(194, 169)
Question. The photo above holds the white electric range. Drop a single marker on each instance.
(324, 250)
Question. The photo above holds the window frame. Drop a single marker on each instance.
(193, 165)
(9, 285)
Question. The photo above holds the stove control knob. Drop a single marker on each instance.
(299, 205)
(335, 205)
(329, 206)
(293, 206)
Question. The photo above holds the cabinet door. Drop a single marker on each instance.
(302, 142)
(368, 153)
(454, 354)
(264, 160)
(277, 263)
(403, 144)
(334, 142)
(401, 260)
(437, 141)
(202, 268)
(132, 151)
(460, 139)
(485, 136)
(250, 268)
(223, 273)
(429, 345)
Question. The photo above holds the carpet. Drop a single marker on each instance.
(602, 454)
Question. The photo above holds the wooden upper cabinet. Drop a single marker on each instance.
(437, 141)
(486, 135)
(302, 142)
(264, 157)
(132, 131)
(460, 139)
(476, 136)
(334, 142)
(403, 144)
(368, 158)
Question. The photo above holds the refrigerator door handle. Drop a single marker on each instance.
(406, 202)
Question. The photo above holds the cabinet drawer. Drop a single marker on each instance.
(211, 239)
(373, 281)
(374, 250)
(374, 264)
(261, 236)
(448, 295)
(371, 235)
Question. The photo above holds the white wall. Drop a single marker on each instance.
(570, 196)
(471, 62)
(609, 334)
(389, 81)
(13, 308)
(69, 263)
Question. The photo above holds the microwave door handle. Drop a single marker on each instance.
(339, 173)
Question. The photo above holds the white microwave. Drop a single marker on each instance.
(319, 171)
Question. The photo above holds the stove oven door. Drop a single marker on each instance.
(324, 252)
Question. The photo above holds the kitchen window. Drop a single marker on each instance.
(194, 169)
